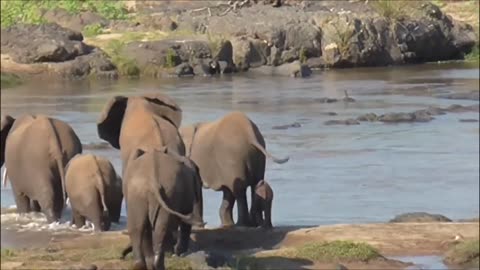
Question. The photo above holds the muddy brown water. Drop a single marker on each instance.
(336, 174)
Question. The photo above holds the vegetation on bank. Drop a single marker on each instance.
(466, 253)
(30, 11)
(336, 251)
(9, 80)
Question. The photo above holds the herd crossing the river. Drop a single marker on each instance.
(165, 166)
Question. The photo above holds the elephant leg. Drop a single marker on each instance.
(227, 207)
(35, 206)
(100, 219)
(242, 210)
(253, 206)
(23, 203)
(78, 219)
(183, 238)
(141, 240)
(160, 235)
(267, 223)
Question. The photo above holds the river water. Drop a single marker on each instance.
(336, 174)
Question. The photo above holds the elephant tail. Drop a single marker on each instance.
(100, 184)
(267, 154)
(59, 156)
(190, 218)
(4, 177)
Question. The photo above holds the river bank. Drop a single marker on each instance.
(361, 246)
(191, 38)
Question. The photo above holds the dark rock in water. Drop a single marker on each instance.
(342, 122)
(294, 69)
(468, 120)
(473, 95)
(294, 125)
(225, 53)
(433, 110)
(325, 100)
(316, 63)
(330, 113)
(396, 117)
(419, 217)
(422, 116)
(248, 102)
(477, 219)
(184, 69)
(226, 68)
(96, 146)
(455, 108)
(370, 117)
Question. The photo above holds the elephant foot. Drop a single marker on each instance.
(139, 265)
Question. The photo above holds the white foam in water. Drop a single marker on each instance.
(38, 222)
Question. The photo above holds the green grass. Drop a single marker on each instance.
(393, 10)
(8, 80)
(92, 30)
(474, 55)
(29, 11)
(464, 253)
(125, 65)
(170, 58)
(336, 251)
(6, 254)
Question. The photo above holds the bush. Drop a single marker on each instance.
(467, 252)
(29, 11)
(389, 9)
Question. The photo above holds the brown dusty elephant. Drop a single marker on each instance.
(262, 203)
(36, 151)
(142, 122)
(163, 194)
(95, 191)
(230, 154)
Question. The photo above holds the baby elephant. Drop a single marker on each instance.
(262, 203)
(95, 191)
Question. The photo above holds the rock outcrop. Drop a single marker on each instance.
(52, 49)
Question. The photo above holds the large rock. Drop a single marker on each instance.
(295, 70)
(53, 50)
(419, 217)
(249, 53)
(157, 57)
(74, 21)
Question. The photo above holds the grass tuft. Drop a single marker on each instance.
(336, 251)
(92, 30)
(464, 253)
(7, 253)
(393, 10)
(9, 80)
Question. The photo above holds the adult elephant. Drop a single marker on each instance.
(164, 195)
(142, 122)
(36, 151)
(230, 154)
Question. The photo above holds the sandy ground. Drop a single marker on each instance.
(391, 239)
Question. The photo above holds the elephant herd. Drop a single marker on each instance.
(164, 168)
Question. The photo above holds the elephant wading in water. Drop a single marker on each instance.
(141, 122)
(230, 154)
(164, 193)
(37, 149)
(95, 191)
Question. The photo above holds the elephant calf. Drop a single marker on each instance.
(95, 191)
(153, 179)
(262, 204)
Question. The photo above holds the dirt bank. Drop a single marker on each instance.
(263, 248)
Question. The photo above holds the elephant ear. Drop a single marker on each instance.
(166, 107)
(110, 121)
(6, 124)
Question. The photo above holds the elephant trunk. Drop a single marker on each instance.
(190, 218)
(267, 154)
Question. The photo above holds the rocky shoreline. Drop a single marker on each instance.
(182, 40)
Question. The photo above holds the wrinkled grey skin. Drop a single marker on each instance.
(163, 195)
(6, 125)
(262, 203)
(141, 122)
(95, 191)
(230, 154)
(37, 150)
